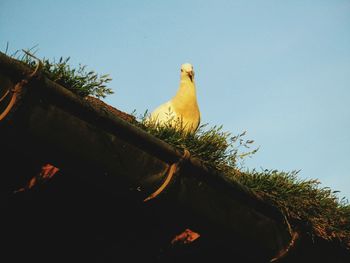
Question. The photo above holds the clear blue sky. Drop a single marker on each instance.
(278, 69)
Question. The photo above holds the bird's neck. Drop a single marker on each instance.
(186, 93)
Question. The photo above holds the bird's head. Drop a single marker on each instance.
(187, 70)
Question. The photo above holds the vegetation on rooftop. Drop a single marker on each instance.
(79, 80)
(216, 148)
(306, 205)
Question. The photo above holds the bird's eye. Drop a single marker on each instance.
(182, 70)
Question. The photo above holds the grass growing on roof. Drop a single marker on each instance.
(216, 148)
(306, 205)
(79, 80)
(318, 210)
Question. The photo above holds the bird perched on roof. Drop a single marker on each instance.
(182, 110)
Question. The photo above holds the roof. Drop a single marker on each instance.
(108, 167)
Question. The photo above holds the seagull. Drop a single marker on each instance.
(182, 110)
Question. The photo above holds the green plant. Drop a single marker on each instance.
(303, 202)
(78, 80)
(216, 148)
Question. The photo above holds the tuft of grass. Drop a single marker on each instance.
(79, 80)
(314, 209)
(306, 204)
(216, 148)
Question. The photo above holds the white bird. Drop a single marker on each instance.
(182, 110)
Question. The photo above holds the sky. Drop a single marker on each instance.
(279, 70)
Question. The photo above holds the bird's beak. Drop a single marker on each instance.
(191, 75)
